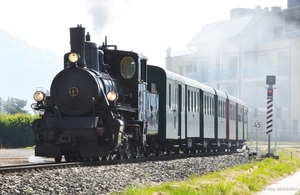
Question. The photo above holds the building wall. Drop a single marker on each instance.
(239, 66)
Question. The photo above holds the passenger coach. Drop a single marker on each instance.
(194, 117)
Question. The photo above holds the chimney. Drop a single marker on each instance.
(275, 8)
(77, 42)
(266, 9)
(169, 50)
(258, 8)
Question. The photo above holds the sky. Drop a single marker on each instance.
(143, 26)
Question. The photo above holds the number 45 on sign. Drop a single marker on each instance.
(257, 124)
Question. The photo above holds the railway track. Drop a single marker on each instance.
(53, 165)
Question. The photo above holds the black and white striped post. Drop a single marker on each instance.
(269, 115)
(271, 80)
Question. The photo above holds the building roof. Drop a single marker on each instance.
(220, 30)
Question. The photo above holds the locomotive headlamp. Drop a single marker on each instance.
(73, 57)
(39, 96)
(112, 96)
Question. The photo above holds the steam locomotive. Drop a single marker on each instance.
(108, 103)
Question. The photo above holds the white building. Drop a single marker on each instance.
(236, 55)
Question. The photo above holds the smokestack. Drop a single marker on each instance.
(77, 42)
(266, 9)
(169, 50)
(275, 8)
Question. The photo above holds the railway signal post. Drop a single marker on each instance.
(270, 80)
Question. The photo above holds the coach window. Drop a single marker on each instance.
(213, 106)
(219, 108)
(195, 99)
(176, 98)
(188, 100)
(127, 67)
(223, 109)
(198, 102)
(234, 113)
(204, 104)
(170, 96)
(144, 70)
(245, 115)
(192, 101)
(210, 105)
(231, 112)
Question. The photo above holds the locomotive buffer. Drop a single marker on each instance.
(270, 80)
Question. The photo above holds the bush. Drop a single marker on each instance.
(16, 131)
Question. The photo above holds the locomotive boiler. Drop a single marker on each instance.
(108, 103)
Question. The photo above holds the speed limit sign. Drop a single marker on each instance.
(257, 124)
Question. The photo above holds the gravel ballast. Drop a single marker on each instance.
(112, 178)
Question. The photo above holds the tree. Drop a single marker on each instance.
(14, 105)
(1, 109)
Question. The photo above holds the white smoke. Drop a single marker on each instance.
(36, 159)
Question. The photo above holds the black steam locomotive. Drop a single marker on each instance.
(109, 103)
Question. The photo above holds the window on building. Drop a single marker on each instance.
(295, 125)
(233, 90)
(284, 125)
(263, 60)
(180, 70)
(277, 31)
(233, 67)
(283, 99)
(283, 63)
(282, 58)
(188, 68)
(203, 71)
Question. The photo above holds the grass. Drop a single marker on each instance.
(243, 179)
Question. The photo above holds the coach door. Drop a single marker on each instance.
(173, 119)
(181, 105)
(245, 117)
